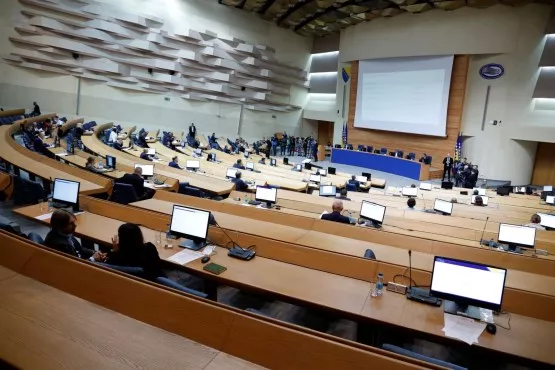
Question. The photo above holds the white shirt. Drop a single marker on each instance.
(113, 137)
(536, 226)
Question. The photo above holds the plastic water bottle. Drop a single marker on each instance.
(379, 285)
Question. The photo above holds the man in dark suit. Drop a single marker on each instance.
(447, 167)
(136, 180)
(239, 165)
(60, 237)
(192, 130)
(145, 156)
(141, 141)
(336, 215)
(240, 185)
(118, 144)
(36, 109)
(353, 181)
(174, 163)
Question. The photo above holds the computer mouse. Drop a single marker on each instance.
(205, 259)
(491, 328)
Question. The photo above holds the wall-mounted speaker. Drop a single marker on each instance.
(172, 73)
(150, 70)
(75, 56)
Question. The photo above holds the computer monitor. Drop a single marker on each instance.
(250, 166)
(148, 169)
(425, 186)
(151, 151)
(373, 212)
(246, 154)
(230, 173)
(467, 286)
(315, 178)
(307, 166)
(212, 157)
(479, 190)
(519, 190)
(548, 188)
(550, 199)
(367, 175)
(110, 162)
(328, 190)
(331, 170)
(516, 236)
(190, 223)
(285, 160)
(362, 179)
(66, 193)
(322, 172)
(443, 206)
(192, 165)
(266, 194)
(409, 191)
(548, 221)
(299, 167)
(448, 185)
(198, 151)
(484, 199)
(273, 162)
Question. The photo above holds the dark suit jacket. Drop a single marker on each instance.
(141, 141)
(146, 157)
(336, 217)
(235, 165)
(172, 164)
(192, 131)
(450, 162)
(240, 185)
(60, 243)
(118, 146)
(355, 183)
(136, 181)
(145, 256)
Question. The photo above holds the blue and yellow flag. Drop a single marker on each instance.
(346, 73)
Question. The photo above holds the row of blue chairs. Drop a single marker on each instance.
(89, 125)
(8, 120)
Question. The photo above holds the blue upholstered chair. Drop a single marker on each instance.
(351, 187)
(135, 271)
(383, 151)
(369, 253)
(172, 284)
(431, 360)
(123, 194)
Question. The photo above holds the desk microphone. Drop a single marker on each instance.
(423, 202)
(410, 272)
(484, 230)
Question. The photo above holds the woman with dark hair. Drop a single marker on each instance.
(129, 249)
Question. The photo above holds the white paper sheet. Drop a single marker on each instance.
(463, 328)
(185, 256)
(62, 154)
(46, 216)
(208, 250)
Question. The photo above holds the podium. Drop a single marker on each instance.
(321, 153)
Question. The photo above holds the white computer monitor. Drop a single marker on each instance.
(211, 157)
(372, 211)
(464, 283)
(484, 199)
(198, 151)
(410, 192)
(547, 221)
(230, 173)
(361, 179)
(548, 188)
(192, 165)
(151, 151)
(328, 190)
(425, 186)
(443, 206)
(517, 236)
(273, 162)
(148, 169)
(110, 161)
(266, 194)
(322, 172)
(246, 154)
(66, 192)
(519, 189)
(315, 178)
(190, 223)
(480, 191)
(298, 167)
(550, 199)
(250, 166)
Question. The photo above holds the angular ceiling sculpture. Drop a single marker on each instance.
(136, 52)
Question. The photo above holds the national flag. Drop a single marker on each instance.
(345, 133)
(458, 148)
(346, 73)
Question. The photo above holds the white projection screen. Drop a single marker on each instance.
(404, 94)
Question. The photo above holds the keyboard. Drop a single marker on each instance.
(254, 203)
(423, 296)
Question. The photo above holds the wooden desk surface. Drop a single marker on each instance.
(45, 328)
(342, 294)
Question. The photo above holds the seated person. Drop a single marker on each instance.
(478, 201)
(91, 165)
(60, 237)
(535, 221)
(141, 141)
(227, 150)
(239, 165)
(39, 146)
(454, 200)
(343, 194)
(336, 215)
(145, 156)
(118, 144)
(353, 181)
(174, 164)
(113, 136)
(129, 249)
(240, 185)
(136, 180)
(411, 202)
(262, 160)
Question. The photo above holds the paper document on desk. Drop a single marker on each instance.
(185, 256)
(61, 154)
(463, 328)
(46, 216)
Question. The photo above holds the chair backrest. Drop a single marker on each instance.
(131, 270)
(34, 237)
(182, 186)
(418, 356)
(123, 193)
(383, 150)
(412, 155)
(370, 254)
(369, 148)
(192, 191)
(351, 187)
(172, 284)
(400, 153)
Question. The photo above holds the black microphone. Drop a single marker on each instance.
(423, 202)
(483, 231)
(410, 272)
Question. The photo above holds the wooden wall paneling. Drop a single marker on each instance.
(12, 112)
(544, 165)
(325, 132)
(437, 147)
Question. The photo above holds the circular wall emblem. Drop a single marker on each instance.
(492, 71)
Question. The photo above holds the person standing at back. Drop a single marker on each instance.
(447, 167)
(192, 131)
(36, 109)
(336, 215)
(315, 150)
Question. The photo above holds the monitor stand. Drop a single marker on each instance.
(266, 205)
(192, 244)
(372, 224)
(455, 308)
(512, 249)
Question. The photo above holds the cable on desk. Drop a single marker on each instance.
(508, 327)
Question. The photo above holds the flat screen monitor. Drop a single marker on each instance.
(410, 192)
(361, 179)
(192, 165)
(273, 162)
(151, 151)
(66, 192)
(372, 211)
(367, 175)
(484, 199)
(110, 161)
(519, 189)
(230, 173)
(266, 194)
(517, 236)
(425, 186)
(148, 169)
(548, 188)
(331, 170)
(250, 166)
(212, 157)
(463, 284)
(190, 223)
(328, 190)
(198, 151)
(322, 172)
(480, 191)
(448, 185)
(298, 167)
(548, 221)
(443, 206)
(550, 199)
(315, 178)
